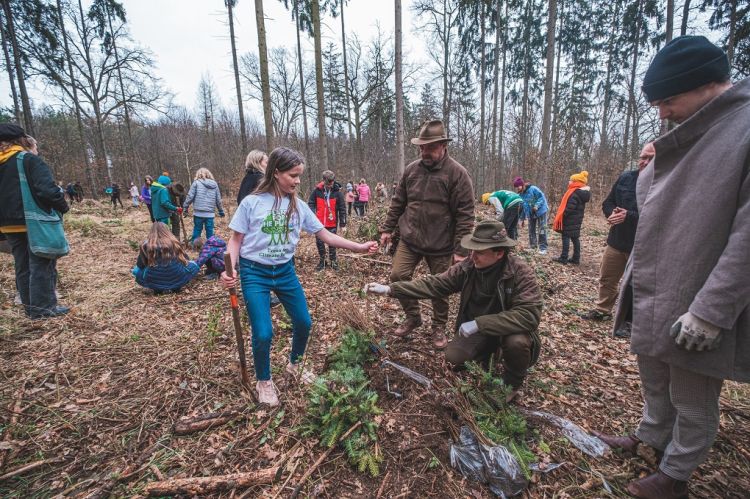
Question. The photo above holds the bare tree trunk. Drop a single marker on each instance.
(631, 111)
(130, 150)
(501, 161)
(103, 154)
(495, 84)
(548, 81)
(670, 20)
(400, 158)
(76, 104)
(556, 94)
(685, 17)
(28, 120)
(302, 95)
(265, 85)
(240, 110)
(482, 100)
(322, 139)
(446, 52)
(11, 78)
(346, 75)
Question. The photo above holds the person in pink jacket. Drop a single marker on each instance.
(360, 206)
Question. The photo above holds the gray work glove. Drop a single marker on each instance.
(693, 333)
(375, 288)
(468, 328)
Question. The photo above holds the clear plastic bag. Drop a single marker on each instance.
(588, 444)
(494, 466)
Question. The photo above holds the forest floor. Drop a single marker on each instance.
(90, 399)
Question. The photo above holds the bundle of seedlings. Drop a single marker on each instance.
(477, 399)
(341, 398)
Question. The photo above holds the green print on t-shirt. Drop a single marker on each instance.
(275, 226)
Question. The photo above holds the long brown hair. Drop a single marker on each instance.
(162, 246)
(281, 159)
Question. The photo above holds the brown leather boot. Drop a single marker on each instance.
(658, 486)
(439, 340)
(409, 325)
(628, 443)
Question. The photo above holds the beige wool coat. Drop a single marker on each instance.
(692, 246)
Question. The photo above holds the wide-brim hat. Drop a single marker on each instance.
(431, 131)
(488, 234)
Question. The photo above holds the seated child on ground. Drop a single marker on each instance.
(162, 263)
(211, 254)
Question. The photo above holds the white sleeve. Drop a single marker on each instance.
(498, 206)
(240, 219)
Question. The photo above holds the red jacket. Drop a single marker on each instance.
(330, 206)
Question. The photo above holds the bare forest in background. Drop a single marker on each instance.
(538, 88)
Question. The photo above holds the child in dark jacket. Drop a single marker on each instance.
(569, 217)
(162, 263)
(211, 255)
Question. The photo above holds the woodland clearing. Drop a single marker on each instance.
(90, 400)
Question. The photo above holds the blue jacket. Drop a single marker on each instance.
(533, 196)
(169, 276)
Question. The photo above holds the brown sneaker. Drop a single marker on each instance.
(409, 325)
(439, 340)
(658, 486)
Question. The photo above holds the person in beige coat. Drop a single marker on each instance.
(689, 267)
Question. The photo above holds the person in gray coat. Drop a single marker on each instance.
(205, 197)
(688, 274)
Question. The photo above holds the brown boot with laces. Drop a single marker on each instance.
(409, 325)
(658, 486)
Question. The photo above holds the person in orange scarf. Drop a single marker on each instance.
(569, 217)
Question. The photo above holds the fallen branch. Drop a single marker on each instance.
(211, 484)
(203, 422)
(320, 460)
(29, 467)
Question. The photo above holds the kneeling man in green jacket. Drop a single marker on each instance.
(500, 307)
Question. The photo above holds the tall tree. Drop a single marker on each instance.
(9, 69)
(28, 120)
(342, 4)
(264, 78)
(400, 159)
(322, 139)
(230, 5)
(548, 80)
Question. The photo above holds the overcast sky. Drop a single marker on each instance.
(189, 38)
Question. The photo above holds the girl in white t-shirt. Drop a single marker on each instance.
(265, 232)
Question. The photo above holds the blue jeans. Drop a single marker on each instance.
(198, 223)
(538, 224)
(35, 277)
(257, 283)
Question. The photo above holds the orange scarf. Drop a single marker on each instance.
(557, 226)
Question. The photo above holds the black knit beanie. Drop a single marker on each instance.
(10, 131)
(684, 64)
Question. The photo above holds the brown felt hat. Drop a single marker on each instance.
(488, 234)
(431, 131)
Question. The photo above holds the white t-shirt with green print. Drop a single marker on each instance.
(267, 239)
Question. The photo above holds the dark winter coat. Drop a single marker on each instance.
(622, 236)
(518, 294)
(573, 215)
(166, 275)
(433, 207)
(46, 193)
(332, 211)
(249, 182)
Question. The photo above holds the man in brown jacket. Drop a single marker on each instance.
(690, 261)
(433, 208)
(500, 306)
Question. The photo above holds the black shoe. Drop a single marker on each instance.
(562, 260)
(321, 265)
(624, 330)
(574, 262)
(55, 312)
(334, 265)
(595, 315)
